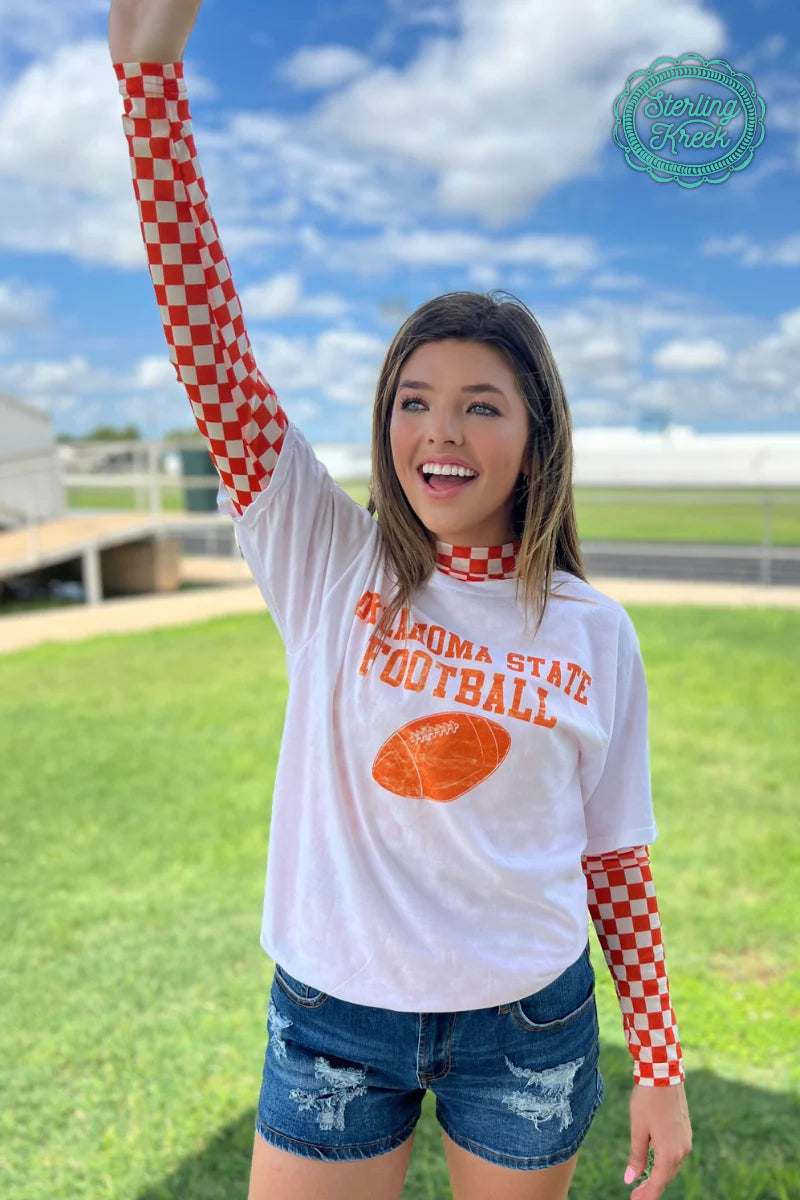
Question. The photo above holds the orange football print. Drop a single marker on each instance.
(440, 757)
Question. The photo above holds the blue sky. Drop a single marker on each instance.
(366, 155)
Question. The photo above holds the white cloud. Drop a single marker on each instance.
(770, 48)
(65, 179)
(21, 305)
(282, 296)
(153, 372)
(616, 281)
(341, 365)
(599, 347)
(783, 253)
(516, 104)
(771, 362)
(564, 256)
(313, 67)
(24, 25)
(424, 12)
(57, 385)
(731, 369)
(372, 154)
(60, 123)
(684, 355)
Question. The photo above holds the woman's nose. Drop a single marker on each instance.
(444, 427)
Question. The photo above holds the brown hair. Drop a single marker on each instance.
(544, 511)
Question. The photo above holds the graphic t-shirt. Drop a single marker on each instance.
(436, 786)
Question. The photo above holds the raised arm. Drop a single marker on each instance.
(235, 408)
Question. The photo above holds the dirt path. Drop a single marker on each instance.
(232, 591)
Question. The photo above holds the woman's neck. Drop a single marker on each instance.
(473, 563)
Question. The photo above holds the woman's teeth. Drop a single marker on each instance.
(447, 469)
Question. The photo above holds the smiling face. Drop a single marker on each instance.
(457, 405)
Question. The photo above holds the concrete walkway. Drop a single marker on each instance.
(232, 591)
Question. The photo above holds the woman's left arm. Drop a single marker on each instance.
(624, 910)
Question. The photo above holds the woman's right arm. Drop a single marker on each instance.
(235, 408)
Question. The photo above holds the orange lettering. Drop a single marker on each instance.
(367, 607)
(515, 662)
(555, 673)
(514, 711)
(495, 701)
(446, 674)
(399, 658)
(471, 683)
(483, 655)
(374, 645)
(458, 649)
(416, 685)
(418, 633)
(540, 718)
(579, 693)
(401, 631)
(574, 670)
(535, 664)
(435, 635)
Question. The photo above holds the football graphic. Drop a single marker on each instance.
(440, 757)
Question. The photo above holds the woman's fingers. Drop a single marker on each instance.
(659, 1116)
(150, 30)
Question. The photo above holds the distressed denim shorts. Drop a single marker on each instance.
(517, 1084)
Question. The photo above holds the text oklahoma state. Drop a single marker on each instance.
(512, 692)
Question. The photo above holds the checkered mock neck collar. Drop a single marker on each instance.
(474, 563)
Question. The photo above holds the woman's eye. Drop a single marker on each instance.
(407, 403)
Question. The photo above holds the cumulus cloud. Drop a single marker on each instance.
(341, 365)
(60, 123)
(282, 296)
(386, 149)
(565, 256)
(517, 103)
(772, 362)
(749, 253)
(64, 170)
(23, 25)
(684, 355)
(616, 281)
(153, 372)
(21, 305)
(313, 67)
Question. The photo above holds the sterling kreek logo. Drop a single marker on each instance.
(689, 119)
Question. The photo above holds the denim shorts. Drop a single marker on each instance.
(517, 1084)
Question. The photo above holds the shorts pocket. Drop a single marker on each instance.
(563, 1001)
(300, 993)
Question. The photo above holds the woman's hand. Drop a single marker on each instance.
(659, 1115)
(154, 31)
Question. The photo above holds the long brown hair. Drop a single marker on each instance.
(544, 511)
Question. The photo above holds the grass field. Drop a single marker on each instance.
(134, 812)
(631, 514)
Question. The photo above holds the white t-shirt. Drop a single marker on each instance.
(435, 791)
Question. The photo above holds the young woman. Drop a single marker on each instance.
(464, 762)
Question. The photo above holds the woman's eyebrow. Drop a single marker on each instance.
(469, 387)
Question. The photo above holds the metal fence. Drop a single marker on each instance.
(769, 553)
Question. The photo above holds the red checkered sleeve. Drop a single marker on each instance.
(235, 408)
(624, 910)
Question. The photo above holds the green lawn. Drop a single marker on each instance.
(134, 816)
(631, 514)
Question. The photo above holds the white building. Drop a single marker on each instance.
(679, 457)
(676, 457)
(30, 475)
